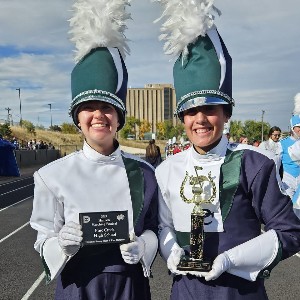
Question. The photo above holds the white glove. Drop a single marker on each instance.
(220, 265)
(69, 238)
(151, 243)
(174, 258)
(133, 252)
(248, 259)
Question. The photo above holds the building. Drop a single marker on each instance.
(154, 103)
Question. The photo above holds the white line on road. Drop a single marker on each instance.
(15, 181)
(2, 240)
(33, 287)
(15, 203)
(23, 187)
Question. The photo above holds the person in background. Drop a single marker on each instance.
(290, 157)
(8, 162)
(99, 178)
(240, 185)
(177, 148)
(256, 143)
(294, 152)
(51, 146)
(153, 155)
(243, 140)
(226, 130)
(186, 145)
(272, 143)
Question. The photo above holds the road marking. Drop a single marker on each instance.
(14, 181)
(15, 203)
(24, 186)
(33, 287)
(2, 240)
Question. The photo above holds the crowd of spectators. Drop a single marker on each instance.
(30, 145)
(174, 148)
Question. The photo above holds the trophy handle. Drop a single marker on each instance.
(214, 189)
(183, 197)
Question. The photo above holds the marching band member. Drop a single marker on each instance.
(98, 178)
(238, 186)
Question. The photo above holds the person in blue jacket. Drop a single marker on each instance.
(290, 157)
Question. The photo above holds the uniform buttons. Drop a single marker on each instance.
(266, 273)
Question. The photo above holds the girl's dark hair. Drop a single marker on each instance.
(274, 128)
(227, 108)
(151, 149)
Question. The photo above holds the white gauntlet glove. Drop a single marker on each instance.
(133, 252)
(220, 265)
(248, 259)
(69, 238)
(170, 250)
(174, 258)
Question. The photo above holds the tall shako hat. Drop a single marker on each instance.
(203, 70)
(295, 119)
(97, 29)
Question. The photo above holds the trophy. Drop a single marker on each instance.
(195, 261)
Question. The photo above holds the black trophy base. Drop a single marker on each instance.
(190, 264)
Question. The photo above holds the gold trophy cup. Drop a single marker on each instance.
(195, 261)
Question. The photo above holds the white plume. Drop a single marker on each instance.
(99, 23)
(186, 20)
(297, 104)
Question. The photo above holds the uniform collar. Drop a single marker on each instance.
(214, 154)
(93, 155)
(272, 142)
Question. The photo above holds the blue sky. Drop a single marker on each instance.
(262, 36)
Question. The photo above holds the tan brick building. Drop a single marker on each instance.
(154, 103)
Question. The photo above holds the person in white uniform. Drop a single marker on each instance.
(238, 184)
(98, 178)
(272, 144)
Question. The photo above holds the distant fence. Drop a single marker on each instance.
(27, 158)
(67, 149)
(36, 157)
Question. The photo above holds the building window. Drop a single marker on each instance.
(168, 104)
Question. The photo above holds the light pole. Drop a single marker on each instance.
(262, 125)
(20, 105)
(50, 113)
(8, 114)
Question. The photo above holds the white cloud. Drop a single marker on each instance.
(262, 37)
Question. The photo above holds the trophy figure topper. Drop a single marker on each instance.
(196, 261)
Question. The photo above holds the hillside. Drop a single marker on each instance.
(68, 143)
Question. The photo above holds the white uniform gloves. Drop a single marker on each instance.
(221, 264)
(69, 238)
(245, 260)
(133, 251)
(174, 258)
(217, 269)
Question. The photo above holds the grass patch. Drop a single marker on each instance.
(68, 143)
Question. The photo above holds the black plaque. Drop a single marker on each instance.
(104, 227)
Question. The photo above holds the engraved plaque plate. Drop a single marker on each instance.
(104, 227)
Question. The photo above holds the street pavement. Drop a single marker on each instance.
(20, 265)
